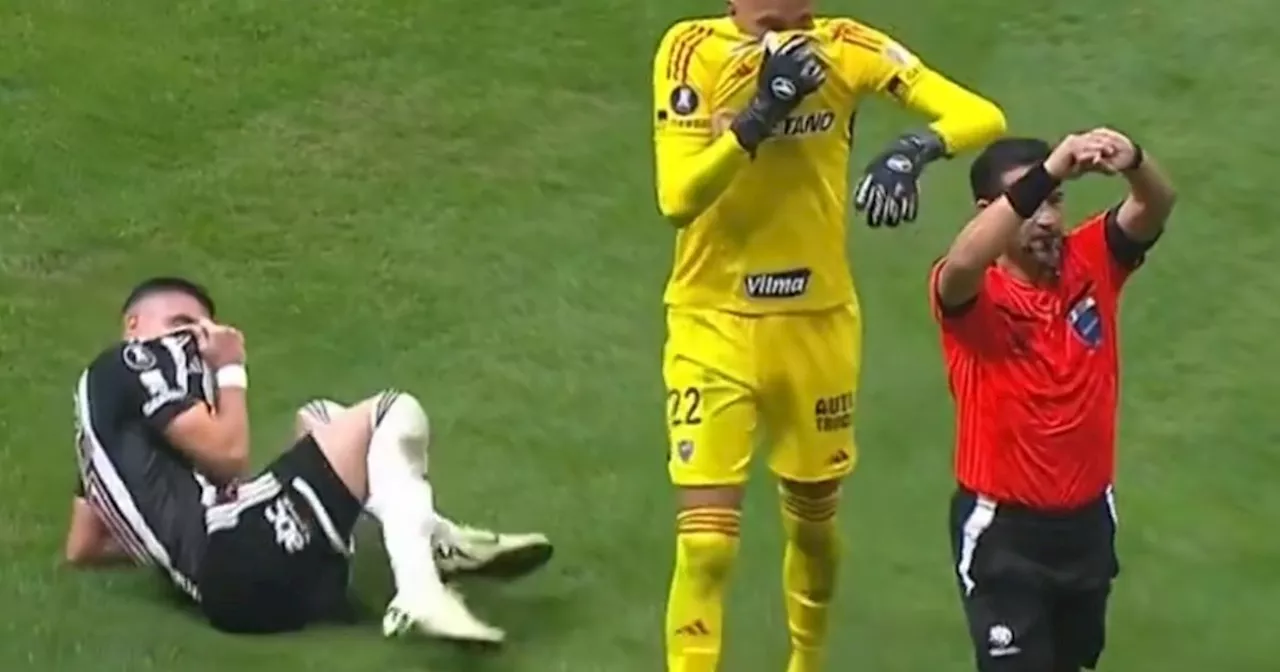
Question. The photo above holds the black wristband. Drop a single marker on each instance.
(1138, 157)
(1027, 194)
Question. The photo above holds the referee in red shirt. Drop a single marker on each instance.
(1028, 319)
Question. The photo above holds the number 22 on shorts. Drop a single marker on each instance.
(684, 406)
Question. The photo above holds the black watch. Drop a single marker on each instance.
(1136, 163)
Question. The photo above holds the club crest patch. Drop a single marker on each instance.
(684, 100)
(138, 358)
(1086, 322)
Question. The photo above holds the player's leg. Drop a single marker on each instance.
(277, 554)
(378, 448)
(809, 566)
(313, 414)
(809, 403)
(458, 549)
(710, 422)
(464, 550)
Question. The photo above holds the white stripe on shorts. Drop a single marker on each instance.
(978, 521)
(226, 515)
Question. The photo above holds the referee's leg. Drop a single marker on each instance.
(1080, 622)
(1008, 610)
(1080, 611)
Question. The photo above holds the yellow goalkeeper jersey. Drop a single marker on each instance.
(767, 234)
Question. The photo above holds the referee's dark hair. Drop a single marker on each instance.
(170, 284)
(1001, 156)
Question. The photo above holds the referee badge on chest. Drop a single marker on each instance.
(1086, 321)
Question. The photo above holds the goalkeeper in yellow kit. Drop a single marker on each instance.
(753, 124)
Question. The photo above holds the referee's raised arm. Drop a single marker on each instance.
(990, 232)
(1145, 210)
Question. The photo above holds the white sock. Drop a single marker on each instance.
(401, 498)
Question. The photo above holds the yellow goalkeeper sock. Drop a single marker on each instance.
(809, 574)
(706, 546)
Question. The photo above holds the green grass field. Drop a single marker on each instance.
(391, 193)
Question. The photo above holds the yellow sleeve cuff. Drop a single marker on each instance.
(963, 119)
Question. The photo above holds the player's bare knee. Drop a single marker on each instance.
(347, 431)
(313, 414)
(711, 497)
(344, 441)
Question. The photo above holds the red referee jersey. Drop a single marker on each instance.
(1034, 374)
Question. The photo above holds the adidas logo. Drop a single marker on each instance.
(448, 552)
(694, 629)
(840, 457)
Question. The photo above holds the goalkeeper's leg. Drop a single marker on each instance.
(709, 369)
(814, 451)
(810, 562)
(707, 529)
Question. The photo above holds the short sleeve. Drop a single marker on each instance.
(152, 378)
(682, 87)
(875, 61)
(970, 322)
(1108, 249)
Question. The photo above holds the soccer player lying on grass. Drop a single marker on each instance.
(163, 445)
(1028, 316)
(753, 123)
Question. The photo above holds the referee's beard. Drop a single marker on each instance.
(1037, 252)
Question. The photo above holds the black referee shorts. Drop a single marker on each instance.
(278, 553)
(1034, 583)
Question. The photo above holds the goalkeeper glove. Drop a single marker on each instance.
(790, 72)
(889, 192)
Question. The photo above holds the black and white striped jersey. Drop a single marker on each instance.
(147, 492)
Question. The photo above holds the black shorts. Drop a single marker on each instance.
(1034, 584)
(278, 555)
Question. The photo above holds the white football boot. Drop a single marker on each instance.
(448, 618)
(460, 550)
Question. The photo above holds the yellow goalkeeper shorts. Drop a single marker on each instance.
(793, 375)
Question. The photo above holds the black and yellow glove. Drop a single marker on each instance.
(889, 192)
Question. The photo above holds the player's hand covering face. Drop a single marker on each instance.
(790, 72)
(219, 344)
